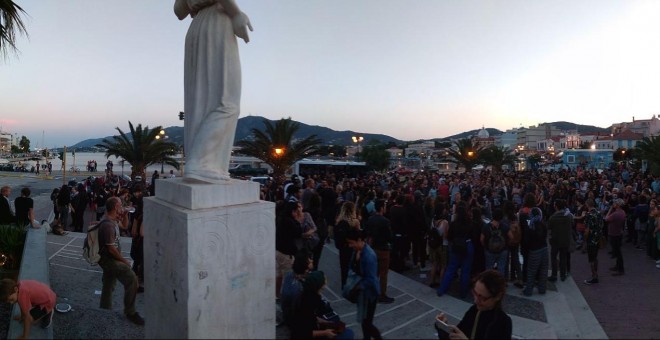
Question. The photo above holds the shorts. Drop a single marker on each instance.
(284, 263)
(438, 255)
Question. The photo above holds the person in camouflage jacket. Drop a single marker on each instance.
(593, 234)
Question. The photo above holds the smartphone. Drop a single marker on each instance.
(442, 326)
(329, 316)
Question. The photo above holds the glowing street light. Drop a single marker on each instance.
(159, 136)
(357, 139)
(470, 153)
(279, 152)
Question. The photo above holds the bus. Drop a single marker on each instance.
(307, 167)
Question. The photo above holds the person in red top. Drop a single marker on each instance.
(35, 299)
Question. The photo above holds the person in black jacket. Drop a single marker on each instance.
(64, 204)
(7, 216)
(379, 231)
(485, 319)
(288, 227)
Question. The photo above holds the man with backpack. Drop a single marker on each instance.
(494, 238)
(115, 266)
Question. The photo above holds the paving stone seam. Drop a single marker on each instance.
(70, 267)
(419, 317)
(58, 251)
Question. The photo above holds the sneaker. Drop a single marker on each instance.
(552, 278)
(657, 261)
(657, 265)
(385, 299)
(589, 282)
(48, 320)
(136, 318)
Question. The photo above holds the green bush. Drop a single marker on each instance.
(12, 240)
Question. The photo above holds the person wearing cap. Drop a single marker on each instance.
(288, 183)
(616, 219)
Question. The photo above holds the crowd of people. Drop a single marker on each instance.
(117, 207)
(523, 225)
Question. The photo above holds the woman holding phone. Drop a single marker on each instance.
(485, 319)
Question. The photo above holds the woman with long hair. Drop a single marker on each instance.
(346, 219)
(438, 255)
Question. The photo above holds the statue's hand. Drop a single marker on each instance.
(241, 23)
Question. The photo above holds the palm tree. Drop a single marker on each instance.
(465, 153)
(141, 148)
(649, 149)
(10, 24)
(276, 147)
(497, 157)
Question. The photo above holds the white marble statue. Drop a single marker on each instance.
(212, 84)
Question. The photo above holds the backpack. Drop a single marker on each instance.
(91, 244)
(433, 238)
(496, 242)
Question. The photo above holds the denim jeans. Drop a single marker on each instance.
(500, 259)
(114, 270)
(458, 261)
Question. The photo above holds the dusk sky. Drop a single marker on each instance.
(409, 69)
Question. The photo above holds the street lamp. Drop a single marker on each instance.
(159, 136)
(279, 152)
(357, 139)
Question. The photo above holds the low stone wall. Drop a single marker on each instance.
(34, 266)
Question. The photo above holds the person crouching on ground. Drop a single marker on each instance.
(485, 319)
(115, 266)
(35, 299)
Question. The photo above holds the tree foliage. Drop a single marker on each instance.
(649, 149)
(376, 156)
(140, 148)
(279, 136)
(10, 24)
(497, 157)
(24, 144)
(464, 152)
(534, 160)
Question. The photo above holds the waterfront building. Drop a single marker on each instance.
(508, 139)
(528, 137)
(587, 158)
(423, 148)
(644, 127)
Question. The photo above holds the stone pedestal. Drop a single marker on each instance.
(209, 253)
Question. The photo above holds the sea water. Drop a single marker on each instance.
(79, 162)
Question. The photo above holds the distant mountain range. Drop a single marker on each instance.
(332, 137)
